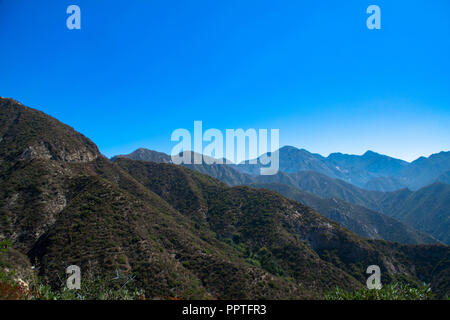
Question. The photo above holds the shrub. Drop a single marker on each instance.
(393, 291)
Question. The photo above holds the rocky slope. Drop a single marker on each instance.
(350, 212)
(182, 233)
(364, 222)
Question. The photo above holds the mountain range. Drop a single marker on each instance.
(181, 233)
(418, 216)
(371, 171)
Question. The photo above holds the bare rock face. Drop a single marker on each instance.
(43, 150)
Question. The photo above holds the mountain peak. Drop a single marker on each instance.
(34, 134)
(370, 153)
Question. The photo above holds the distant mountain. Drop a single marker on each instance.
(254, 220)
(147, 155)
(371, 171)
(364, 222)
(371, 162)
(426, 209)
(425, 171)
(445, 177)
(292, 160)
(225, 173)
(363, 170)
(326, 187)
(181, 233)
(384, 184)
(311, 181)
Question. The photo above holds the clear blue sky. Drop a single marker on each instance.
(138, 69)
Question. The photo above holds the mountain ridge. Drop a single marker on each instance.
(326, 188)
(142, 218)
(372, 171)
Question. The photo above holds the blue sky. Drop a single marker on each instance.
(137, 70)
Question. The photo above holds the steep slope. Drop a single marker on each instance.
(425, 171)
(362, 221)
(371, 171)
(180, 232)
(371, 162)
(65, 204)
(280, 235)
(146, 155)
(24, 135)
(325, 187)
(445, 178)
(293, 160)
(365, 222)
(224, 172)
(426, 209)
(385, 184)
(311, 181)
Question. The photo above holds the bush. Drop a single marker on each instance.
(120, 287)
(393, 291)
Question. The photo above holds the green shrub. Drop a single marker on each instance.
(393, 291)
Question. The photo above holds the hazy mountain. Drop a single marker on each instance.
(364, 171)
(370, 171)
(371, 162)
(180, 232)
(426, 209)
(325, 187)
(294, 160)
(254, 219)
(425, 171)
(362, 221)
(445, 177)
(225, 173)
(384, 184)
(311, 181)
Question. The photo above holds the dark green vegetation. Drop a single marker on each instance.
(393, 291)
(367, 213)
(178, 232)
(13, 287)
(426, 209)
(362, 221)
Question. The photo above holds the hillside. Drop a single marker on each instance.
(181, 233)
(426, 209)
(224, 172)
(63, 210)
(272, 226)
(362, 221)
(316, 185)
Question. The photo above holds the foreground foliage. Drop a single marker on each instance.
(393, 291)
